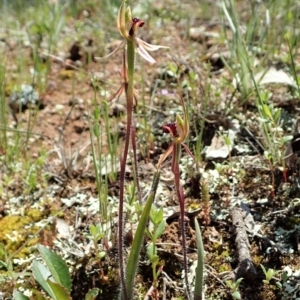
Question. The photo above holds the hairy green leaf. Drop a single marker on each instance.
(57, 267)
(59, 291)
(41, 273)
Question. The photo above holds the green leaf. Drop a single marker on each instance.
(96, 130)
(236, 295)
(92, 294)
(101, 254)
(286, 138)
(59, 291)
(154, 259)
(200, 264)
(96, 113)
(237, 283)
(264, 270)
(278, 284)
(3, 264)
(227, 140)
(2, 251)
(138, 239)
(41, 273)
(267, 111)
(160, 229)
(19, 296)
(94, 230)
(277, 115)
(57, 267)
(151, 250)
(158, 216)
(284, 276)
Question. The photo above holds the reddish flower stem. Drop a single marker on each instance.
(121, 203)
(180, 195)
(129, 91)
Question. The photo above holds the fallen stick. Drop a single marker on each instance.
(245, 268)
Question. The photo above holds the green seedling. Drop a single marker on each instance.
(270, 124)
(238, 50)
(5, 261)
(154, 231)
(270, 274)
(96, 234)
(104, 165)
(234, 286)
(54, 277)
(271, 131)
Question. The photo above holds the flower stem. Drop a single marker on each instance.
(129, 100)
(130, 66)
(180, 195)
(130, 63)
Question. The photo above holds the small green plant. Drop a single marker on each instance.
(238, 48)
(270, 274)
(96, 234)
(158, 225)
(54, 277)
(234, 286)
(5, 261)
(34, 177)
(105, 165)
(271, 129)
(7, 268)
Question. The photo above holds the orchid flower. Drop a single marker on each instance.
(179, 131)
(128, 28)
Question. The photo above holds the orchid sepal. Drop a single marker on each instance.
(142, 49)
(111, 53)
(150, 47)
(121, 21)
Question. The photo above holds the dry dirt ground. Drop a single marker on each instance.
(268, 214)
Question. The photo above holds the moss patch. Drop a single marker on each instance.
(17, 231)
